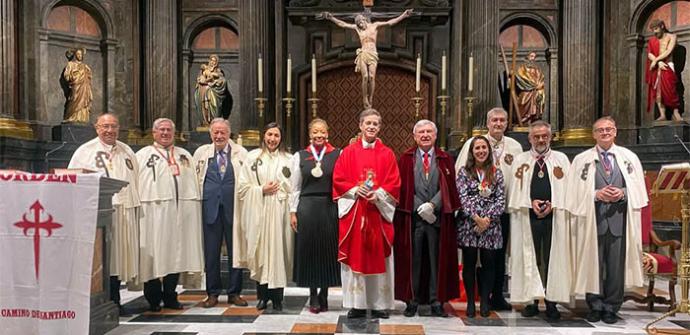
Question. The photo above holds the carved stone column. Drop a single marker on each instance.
(160, 61)
(580, 67)
(256, 37)
(8, 59)
(482, 35)
(458, 77)
(9, 84)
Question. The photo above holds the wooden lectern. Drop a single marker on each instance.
(675, 179)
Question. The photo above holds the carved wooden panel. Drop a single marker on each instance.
(340, 91)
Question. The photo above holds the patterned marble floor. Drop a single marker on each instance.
(296, 319)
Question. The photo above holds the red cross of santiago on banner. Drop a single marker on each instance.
(37, 225)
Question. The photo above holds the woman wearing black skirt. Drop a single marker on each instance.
(314, 217)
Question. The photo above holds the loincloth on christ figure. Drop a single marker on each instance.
(365, 58)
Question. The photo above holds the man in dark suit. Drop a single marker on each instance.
(425, 273)
(218, 165)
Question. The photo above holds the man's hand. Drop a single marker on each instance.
(425, 209)
(609, 194)
(408, 13)
(293, 221)
(271, 188)
(363, 191)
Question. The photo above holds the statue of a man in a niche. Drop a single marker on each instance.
(77, 76)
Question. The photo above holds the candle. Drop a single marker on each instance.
(443, 71)
(313, 74)
(418, 74)
(260, 69)
(470, 74)
(289, 74)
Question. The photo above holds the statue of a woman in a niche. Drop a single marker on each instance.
(211, 95)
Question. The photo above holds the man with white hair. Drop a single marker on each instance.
(425, 234)
(116, 160)
(171, 221)
(217, 166)
(504, 150)
(540, 229)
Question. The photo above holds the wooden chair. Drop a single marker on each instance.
(656, 264)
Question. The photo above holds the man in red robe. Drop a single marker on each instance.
(366, 185)
(426, 272)
(660, 74)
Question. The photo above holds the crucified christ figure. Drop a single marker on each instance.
(367, 56)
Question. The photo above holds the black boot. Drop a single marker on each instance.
(169, 293)
(262, 296)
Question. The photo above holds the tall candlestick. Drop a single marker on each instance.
(289, 74)
(443, 71)
(260, 70)
(313, 74)
(470, 74)
(418, 73)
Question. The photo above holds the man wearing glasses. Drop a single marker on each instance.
(116, 160)
(606, 193)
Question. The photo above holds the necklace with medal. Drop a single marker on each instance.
(484, 190)
(317, 172)
(497, 151)
(542, 164)
(172, 164)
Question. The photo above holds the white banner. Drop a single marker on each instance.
(47, 232)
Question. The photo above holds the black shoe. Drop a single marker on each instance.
(174, 305)
(593, 316)
(484, 310)
(377, 314)
(530, 311)
(123, 312)
(354, 313)
(278, 306)
(410, 310)
(500, 304)
(155, 308)
(609, 317)
(261, 305)
(552, 312)
(437, 310)
(470, 312)
(323, 302)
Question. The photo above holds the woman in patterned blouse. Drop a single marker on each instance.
(481, 190)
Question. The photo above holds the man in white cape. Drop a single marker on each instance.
(504, 150)
(218, 167)
(605, 196)
(171, 217)
(540, 231)
(116, 160)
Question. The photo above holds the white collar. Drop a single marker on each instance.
(421, 152)
(367, 145)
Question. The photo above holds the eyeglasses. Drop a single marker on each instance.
(108, 126)
(605, 130)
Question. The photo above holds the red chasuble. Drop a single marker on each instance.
(667, 80)
(448, 281)
(365, 236)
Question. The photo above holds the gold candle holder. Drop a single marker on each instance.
(417, 105)
(261, 105)
(442, 123)
(470, 120)
(288, 120)
(314, 105)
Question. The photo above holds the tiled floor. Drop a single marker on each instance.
(296, 319)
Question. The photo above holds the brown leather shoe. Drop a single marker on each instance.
(210, 301)
(237, 301)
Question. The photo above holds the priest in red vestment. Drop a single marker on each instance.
(660, 74)
(425, 247)
(366, 185)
